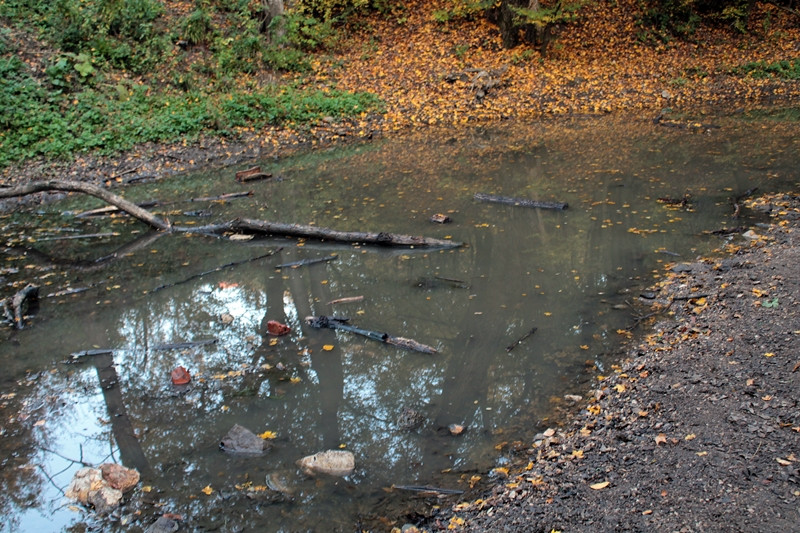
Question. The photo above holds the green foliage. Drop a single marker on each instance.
(329, 10)
(785, 70)
(120, 32)
(557, 13)
(35, 121)
(197, 27)
(663, 20)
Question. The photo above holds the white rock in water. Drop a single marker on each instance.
(333, 462)
(85, 480)
(101, 487)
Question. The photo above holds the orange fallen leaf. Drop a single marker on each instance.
(207, 490)
(661, 439)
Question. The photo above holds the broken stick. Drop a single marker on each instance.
(341, 324)
(516, 342)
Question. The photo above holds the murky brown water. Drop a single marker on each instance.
(562, 272)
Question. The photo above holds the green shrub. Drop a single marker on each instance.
(198, 27)
(785, 69)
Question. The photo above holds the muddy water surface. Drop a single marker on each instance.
(573, 275)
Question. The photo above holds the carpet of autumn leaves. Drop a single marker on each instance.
(427, 72)
(597, 65)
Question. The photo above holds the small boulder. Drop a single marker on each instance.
(332, 462)
(241, 440)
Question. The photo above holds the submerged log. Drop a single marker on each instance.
(263, 227)
(341, 324)
(252, 174)
(521, 202)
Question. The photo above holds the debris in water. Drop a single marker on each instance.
(241, 440)
(180, 376)
(103, 487)
(333, 462)
(277, 329)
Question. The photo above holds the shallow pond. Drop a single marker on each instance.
(574, 275)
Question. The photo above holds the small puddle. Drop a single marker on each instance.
(574, 275)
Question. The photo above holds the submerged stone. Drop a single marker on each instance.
(333, 462)
(241, 440)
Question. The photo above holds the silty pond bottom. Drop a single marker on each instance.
(574, 275)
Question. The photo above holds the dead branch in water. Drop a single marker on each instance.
(239, 225)
(341, 324)
(521, 202)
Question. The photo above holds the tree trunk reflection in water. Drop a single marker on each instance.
(305, 289)
(130, 450)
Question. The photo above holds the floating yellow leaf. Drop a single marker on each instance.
(328, 347)
(600, 486)
(268, 435)
(207, 490)
(295, 379)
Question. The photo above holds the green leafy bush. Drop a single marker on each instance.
(198, 28)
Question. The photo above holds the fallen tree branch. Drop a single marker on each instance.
(216, 269)
(341, 324)
(13, 306)
(521, 202)
(263, 227)
(93, 190)
(239, 225)
(307, 262)
(516, 342)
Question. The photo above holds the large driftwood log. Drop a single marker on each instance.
(522, 202)
(239, 225)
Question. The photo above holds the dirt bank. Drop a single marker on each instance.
(698, 430)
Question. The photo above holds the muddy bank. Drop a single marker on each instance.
(697, 430)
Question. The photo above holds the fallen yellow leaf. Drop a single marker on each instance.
(769, 354)
(690, 436)
(328, 347)
(600, 486)
(207, 490)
